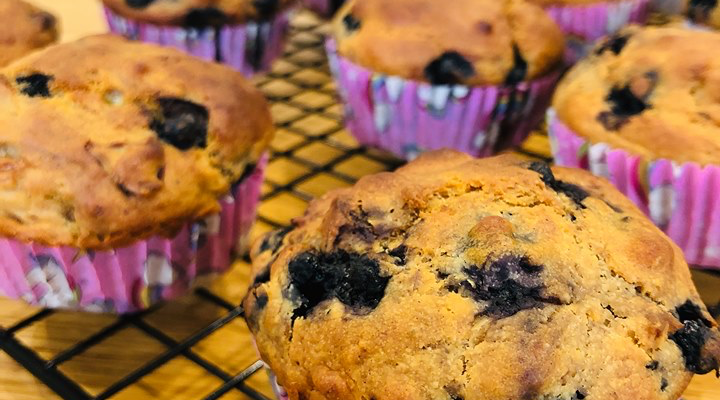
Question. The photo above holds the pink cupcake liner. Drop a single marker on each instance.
(324, 8)
(249, 48)
(584, 24)
(280, 392)
(683, 199)
(407, 117)
(132, 278)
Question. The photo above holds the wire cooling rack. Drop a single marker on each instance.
(130, 356)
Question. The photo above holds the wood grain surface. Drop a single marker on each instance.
(303, 87)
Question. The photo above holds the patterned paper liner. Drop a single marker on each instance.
(682, 199)
(132, 278)
(324, 8)
(584, 24)
(249, 48)
(407, 117)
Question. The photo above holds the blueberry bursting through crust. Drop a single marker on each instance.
(35, 85)
(353, 279)
(181, 123)
(693, 337)
(449, 69)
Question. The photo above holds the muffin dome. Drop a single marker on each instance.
(474, 42)
(24, 28)
(457, 278)
(108, 141)
(652, 91)
(197, 13)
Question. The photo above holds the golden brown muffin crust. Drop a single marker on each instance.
(652, 91)
(474, 42)
(457, 278)
(107, 141)
(23, 29)
(197, 13)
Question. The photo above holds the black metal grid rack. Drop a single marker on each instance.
(311, 153)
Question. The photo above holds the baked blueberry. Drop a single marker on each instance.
(449, 69)
(35, 85)
(507, 286)
(353, 279)
(574, 192)
(692, 339)
(351, 23)
(181, 123)
(624, 103)
(400, 253)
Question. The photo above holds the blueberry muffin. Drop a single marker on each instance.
(24, 28)
(481, 72)
(638, 95)
(117, 152)
(459, 278)
(245, 34)
(646, 118)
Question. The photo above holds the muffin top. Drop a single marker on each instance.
(474, 42)
(24, 28)
(458, 278)
(652, 91)
(197, 13)
(108, 141)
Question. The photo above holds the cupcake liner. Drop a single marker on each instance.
(407, 117)
(280, 393)
(584, 24)
(132, 278)
(683, 199)
(249, 48)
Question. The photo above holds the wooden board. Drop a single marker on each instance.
(304, 108)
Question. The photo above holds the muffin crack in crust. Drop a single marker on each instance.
(547, 281)
(107, 148)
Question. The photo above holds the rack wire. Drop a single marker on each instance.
(312, 152)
